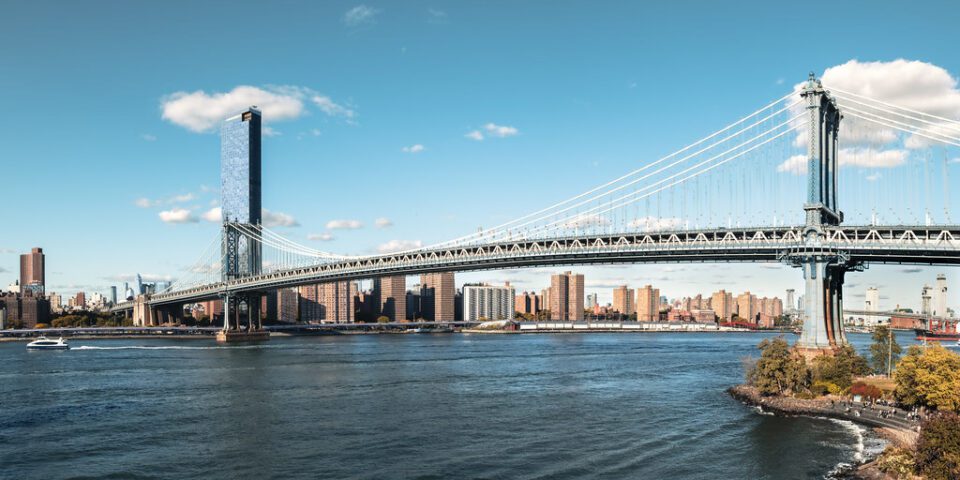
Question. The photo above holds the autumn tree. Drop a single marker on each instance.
(779, 369)
(885, 351)
(929, 377)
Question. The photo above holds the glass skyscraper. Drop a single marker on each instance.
(240, 191)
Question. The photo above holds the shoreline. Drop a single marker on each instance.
(896, 431)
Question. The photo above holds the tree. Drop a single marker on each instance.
(840, 368)
(383, 319)
(779, 369)
(885, 351)
(938, 448)
(929, 377)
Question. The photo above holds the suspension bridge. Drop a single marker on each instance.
(765, 188)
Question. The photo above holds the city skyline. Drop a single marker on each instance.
(336, 125)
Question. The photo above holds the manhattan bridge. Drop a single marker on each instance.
(769, 187)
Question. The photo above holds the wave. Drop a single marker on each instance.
(164, 347)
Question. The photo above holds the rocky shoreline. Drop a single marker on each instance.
(897, 431)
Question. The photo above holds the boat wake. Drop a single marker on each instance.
(168, 347)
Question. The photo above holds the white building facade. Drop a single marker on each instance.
(488, 302)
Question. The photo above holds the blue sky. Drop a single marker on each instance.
(589, 89)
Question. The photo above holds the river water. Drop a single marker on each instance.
(540, 406)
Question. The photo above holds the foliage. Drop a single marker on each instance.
(383, 319)
(779, 369)
(897, 462)
(840, 368)
(938, 448)
(884, 347)
(866, 391)
(41, 325)
(90, 319)
(929, 377)
(822, 387)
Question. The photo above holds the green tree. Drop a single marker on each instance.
(885, 351)
(929, 377)
(938, 448)
(840, 368)
(779, 370)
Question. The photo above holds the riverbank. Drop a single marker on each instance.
(894, 426)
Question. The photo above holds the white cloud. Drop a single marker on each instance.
(182, 198)
(320, 237)
(278, 219)
(270, 132)
(145, 202)
(215, 214)
(331, 108)
(177, 215)
(413, 149)
(955, 160)
(132, 277)
(655, 224)
(383, 222)
(359, 15)
(148, 137)
(475, 135)
(500, 130)
(202, 112)
(863, 157)
(344, 225)
(583, 221)
(399, 246)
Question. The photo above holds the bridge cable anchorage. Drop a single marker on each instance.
(702, 171)
(495, 230)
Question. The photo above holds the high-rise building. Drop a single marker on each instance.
(33, 271)
(288, 307)
(113, 294)
(80, 300)
(488, 302)
(441, 288)
(24, 310)
(791, 302)
(926, 297)
(393, 297)
(623, 302)
(240, 191)
(871, 303)
(566, 297)
(330, 302)
(747, 307)
(721, 303)
(528, 303)
(545, 295)
(56, 302)
(939, 297)
(648, 304)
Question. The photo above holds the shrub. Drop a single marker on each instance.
(897, 462)
(866, 391)
(840, 368)
(938, 448)
(42, 325)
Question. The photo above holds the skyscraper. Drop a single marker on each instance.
(33, 271)
(240, 191)
(393, 297)
(872, 304)
(559, 299)
(623, 300)
(791, 302)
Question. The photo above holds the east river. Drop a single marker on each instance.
(538, 406)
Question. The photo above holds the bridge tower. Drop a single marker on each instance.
(241, 254)
(823, 268)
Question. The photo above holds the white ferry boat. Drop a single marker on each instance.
(44, 343)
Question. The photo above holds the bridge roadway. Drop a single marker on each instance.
(927, 245)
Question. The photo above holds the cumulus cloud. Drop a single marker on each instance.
(654, 223)
(360, 15)
(383, 222)
(177, 215)
(585, 220)
(278, 219)
(863, 157)
(344, 225)
(200, 111)
(215, 214)
(501, 131)
(320, 237)
(475, 135)
(413, 149)
(399, 246)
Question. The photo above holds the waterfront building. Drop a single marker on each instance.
(488, 302)
(871, 303)
(437, 295)
(747, 307)
(575, 296)
(623, 301)
(392, 295)
(545, 295)
(703, 315)
(33, 270)
(96, 302)
(330, 302)
(939, 297)
(721, 303)
(648, 304)
(926, 297)
(566, 296)
(56, 302)
(23, 310)
(791, 302)
(288, 307)
(528, 303)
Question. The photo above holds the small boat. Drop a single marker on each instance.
(44, 343)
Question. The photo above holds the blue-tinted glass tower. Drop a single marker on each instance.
(240, 193)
